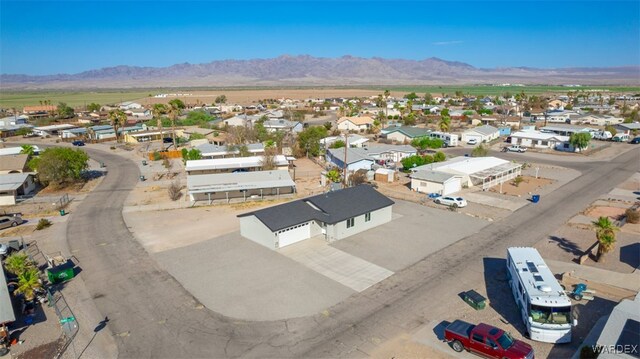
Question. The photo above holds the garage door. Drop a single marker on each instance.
(475, 137)
(451, 186)
(294, 234)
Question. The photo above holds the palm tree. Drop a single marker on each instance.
(28, 282)
(27, 150)
(17, 263)
(606, 235)
(175, 107)
(159, 109)
(118, 118)
(445, 123)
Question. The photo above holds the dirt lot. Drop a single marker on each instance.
(602, 211)
(528, 185)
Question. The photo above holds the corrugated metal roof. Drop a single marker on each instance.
(6, 307)
(433, 176)
(223, 182)
(231, 163)
(12, 181)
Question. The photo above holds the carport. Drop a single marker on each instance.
(436, 182)
(496, 175)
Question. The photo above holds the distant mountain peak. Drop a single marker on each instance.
(307, 70)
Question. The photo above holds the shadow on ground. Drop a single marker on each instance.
(587, 313)
(630, 255)
(566, 245)
(499, 293)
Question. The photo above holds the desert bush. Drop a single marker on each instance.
(632, 216)
(43, 223)
(156, 156)
(175, 190)
(517, 181)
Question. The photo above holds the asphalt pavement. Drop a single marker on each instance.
(152, 315)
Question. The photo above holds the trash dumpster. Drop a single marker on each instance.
(475, 300)
(60, 274)
(535, 198)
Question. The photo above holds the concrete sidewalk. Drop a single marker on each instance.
(344, 268)
(629, 281)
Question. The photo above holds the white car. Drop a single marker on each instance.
(472, 141)
(517, 148)
(455, 202)
(4, 250)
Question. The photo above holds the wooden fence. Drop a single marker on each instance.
(165, 154)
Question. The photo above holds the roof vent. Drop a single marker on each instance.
(544, 288)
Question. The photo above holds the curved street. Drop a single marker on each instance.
(151, 315)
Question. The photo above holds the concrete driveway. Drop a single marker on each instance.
(416, 232)
(236, 277)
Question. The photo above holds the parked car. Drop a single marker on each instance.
(472, 141)
(486, 340)
(4, 250)
(167, 140)
(77, 143)
(456, 202)
(620, 137)
(10, 221)
(516, 148)
(635, 141)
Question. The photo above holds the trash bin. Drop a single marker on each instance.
(62, 212)
(142, 178)
(535, 198)
(58, 275)
(475, 300)
(144, 162)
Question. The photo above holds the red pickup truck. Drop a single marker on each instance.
(486, 341)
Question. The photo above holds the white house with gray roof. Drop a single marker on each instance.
(13, 185)
(363, 158)
(429, 181)
(210, 151)
(333, 215)
(481, 134)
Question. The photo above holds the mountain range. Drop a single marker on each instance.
(305, 70)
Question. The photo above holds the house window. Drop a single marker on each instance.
(350, 222)
(367, 217)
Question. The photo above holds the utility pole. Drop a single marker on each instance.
(346, 146)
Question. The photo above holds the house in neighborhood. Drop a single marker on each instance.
(566, 130)
(355, 160)
(481, 134)
(628, 128)
(355, 123)
(240, 120)
(14, 185)
(129, 105)
(79, 132)
(39, 111)
(139, 112)
(13, 120)
(233, 165)
(429, 181)
(147, 135)
(14, 151)
(282, 125)
(52, 130)
(537, 139)
(209, 151)
(484, 172)
(14, 164)
(227, 186)
(353, 140)
(334, 216)
(405, 134)
(365, 157)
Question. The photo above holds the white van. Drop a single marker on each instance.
(602, 135)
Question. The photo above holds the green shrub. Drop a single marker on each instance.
(43, 223)
(157, 156)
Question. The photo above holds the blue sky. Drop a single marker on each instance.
(51, 37)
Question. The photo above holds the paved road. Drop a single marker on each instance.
(153, 316)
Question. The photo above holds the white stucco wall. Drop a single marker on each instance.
(423, 186)
(253, 229)
(398, 136)
(340, 231)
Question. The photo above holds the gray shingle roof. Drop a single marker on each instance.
(433, 176)
(333, 207)
(485, 130)
(411, 132)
